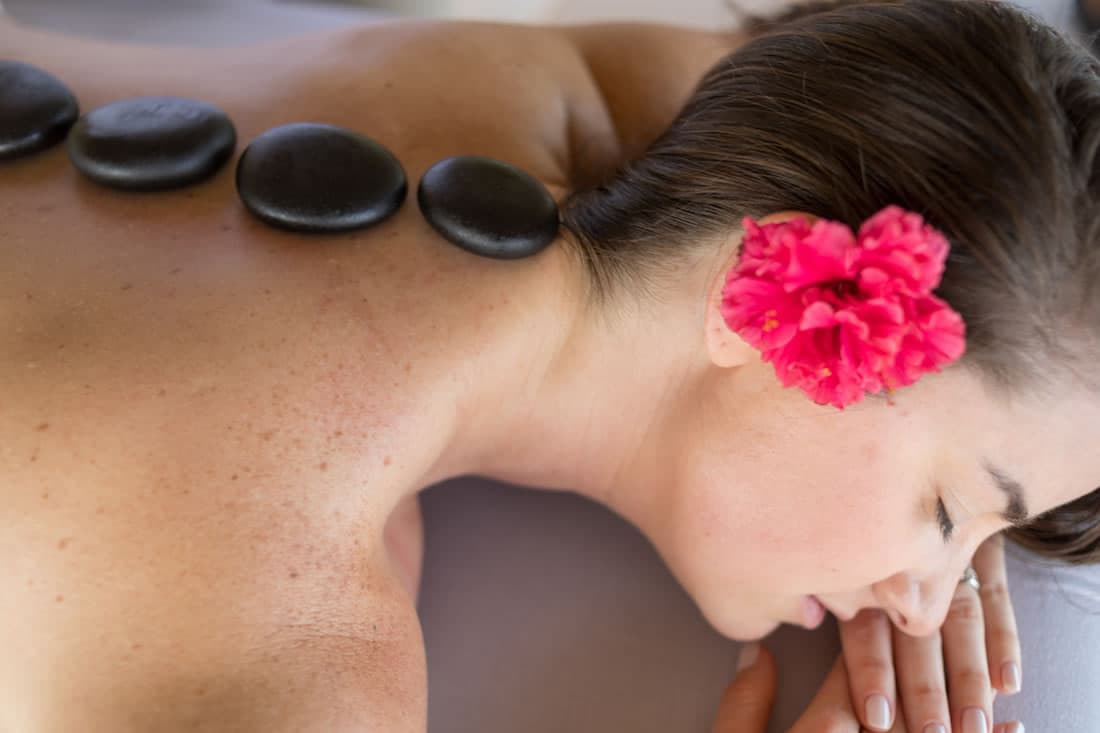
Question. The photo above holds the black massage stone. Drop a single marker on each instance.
(318, 178)
(487, 207)
(36, 110)
(152, 143)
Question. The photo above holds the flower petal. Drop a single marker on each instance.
(840, 316)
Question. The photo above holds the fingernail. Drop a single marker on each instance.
(974, 721)
(1010, 675)
(935, 728)
(1016, 727)
(878, 712)
(749, 654)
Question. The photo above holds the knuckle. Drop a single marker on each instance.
(996, 592)
(964, 608)
(866, 665)
(925, 694)
(970, 679)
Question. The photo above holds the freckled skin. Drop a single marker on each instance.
(221, 419)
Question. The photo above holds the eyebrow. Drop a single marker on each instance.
(1015, 512)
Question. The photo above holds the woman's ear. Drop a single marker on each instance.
(725, 347)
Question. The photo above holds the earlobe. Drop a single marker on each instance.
(726, 348)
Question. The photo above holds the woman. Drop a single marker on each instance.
(256, 410)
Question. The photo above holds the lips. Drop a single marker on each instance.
(813, 612)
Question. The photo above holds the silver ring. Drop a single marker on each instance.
(971, 578)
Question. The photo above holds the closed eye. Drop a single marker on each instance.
(947, 527)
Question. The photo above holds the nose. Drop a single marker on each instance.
(916, 605)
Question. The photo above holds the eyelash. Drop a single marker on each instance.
(947, 527)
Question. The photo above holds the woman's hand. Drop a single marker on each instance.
(746, 704)
(970, 656)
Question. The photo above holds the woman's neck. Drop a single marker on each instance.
(560, 399)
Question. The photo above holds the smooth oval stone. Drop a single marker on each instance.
(488, 207)
(36, 110)
(313, 177)
(152, 143)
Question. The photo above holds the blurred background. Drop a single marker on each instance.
(221, 22)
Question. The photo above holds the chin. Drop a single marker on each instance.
(755, 633)
(743, 627)
(736, 616)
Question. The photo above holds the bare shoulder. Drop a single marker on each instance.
(646, 72)
(469, 87)
(567, 102)
(206, 424)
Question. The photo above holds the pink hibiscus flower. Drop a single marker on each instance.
(838, 315)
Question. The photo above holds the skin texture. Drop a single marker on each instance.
(723, 461)
(255, 410)
(745, 705)
(211, 428)
(969, 653)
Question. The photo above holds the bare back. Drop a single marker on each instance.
(205, 423)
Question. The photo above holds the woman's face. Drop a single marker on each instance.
(779, 498)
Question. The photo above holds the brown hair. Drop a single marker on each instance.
(971, 112)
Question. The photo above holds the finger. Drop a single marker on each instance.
(1002, 642)
(899, 724)
(870, 662)
(746, 704)
(970, 695)
(831, 710)
(1013, 727)
(922, 686)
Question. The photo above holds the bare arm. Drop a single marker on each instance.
(162, 584)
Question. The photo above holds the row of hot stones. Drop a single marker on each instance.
(303, 177)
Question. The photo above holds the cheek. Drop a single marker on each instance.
(746, 557)
(797, 530)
